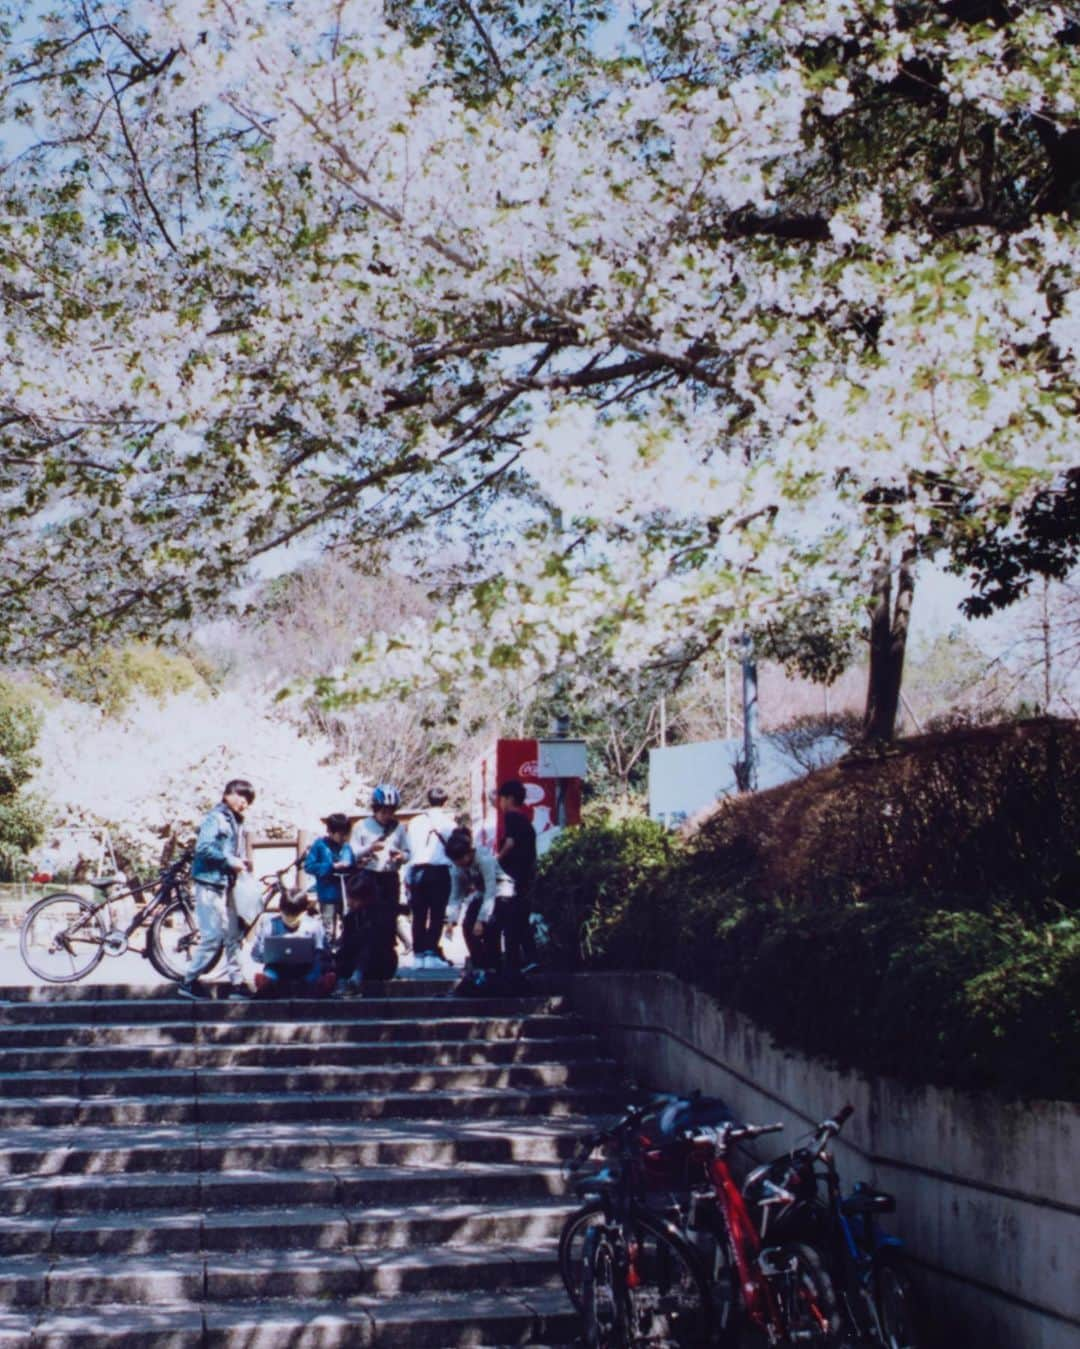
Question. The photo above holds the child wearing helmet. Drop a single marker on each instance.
(381, 846)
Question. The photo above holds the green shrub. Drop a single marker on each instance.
(952, 982)
(594, 888)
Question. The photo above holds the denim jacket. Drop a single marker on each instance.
(220, 841)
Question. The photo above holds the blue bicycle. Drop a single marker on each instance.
(798, 1196)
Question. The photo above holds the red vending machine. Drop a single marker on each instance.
(551, 772)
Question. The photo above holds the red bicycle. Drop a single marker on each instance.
(778, 1294)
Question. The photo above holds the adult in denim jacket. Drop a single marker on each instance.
(219, 858)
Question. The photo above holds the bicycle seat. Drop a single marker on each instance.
(103, 882)
(864, 1200)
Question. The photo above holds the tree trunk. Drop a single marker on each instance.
(1047, 651)
(888, 642)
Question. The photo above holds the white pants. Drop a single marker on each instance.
(216, 917)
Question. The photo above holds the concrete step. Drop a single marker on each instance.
(345, 1027)
(80, 1281)
(444, 1321)
(320, 1077)
(312, 1228)
(131, 1011)
(380, 1172)
(347, 1186)
(476, 1103)
(89, 1151)
(87, 1058)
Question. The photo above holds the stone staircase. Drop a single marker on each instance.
(383, 1171)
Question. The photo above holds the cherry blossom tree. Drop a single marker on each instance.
(150, 774)
(677, 314)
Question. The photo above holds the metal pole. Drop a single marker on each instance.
(750, 713)
(727, 692)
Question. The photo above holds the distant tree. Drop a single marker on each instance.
(113, 677)
(21, 824)
(812, 741)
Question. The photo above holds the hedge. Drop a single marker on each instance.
(952, 974)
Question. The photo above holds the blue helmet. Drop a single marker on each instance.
(385, 795)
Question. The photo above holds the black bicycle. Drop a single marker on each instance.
(626, 1265)
(64, 936)
(876, 1289)
(174, 932)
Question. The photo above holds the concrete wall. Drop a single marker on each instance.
(988, 1194)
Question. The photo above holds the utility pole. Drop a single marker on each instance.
(750, 717)
(727, 690)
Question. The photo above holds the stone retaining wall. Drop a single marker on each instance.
(988, 1193)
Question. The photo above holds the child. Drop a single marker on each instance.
(380, 845)
(327, 860)
(356, 926)
(220, 856)
(476, 883)
(315, 977)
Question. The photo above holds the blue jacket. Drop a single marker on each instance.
(220, 841)
(319, 862)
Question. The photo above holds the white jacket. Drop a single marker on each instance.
(427, 836)
(369, 831)
(485, 877)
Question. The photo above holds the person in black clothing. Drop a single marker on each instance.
(357, 933)
(517, 857)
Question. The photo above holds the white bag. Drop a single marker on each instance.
(248, 898)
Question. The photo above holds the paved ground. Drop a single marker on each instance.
(136, 970)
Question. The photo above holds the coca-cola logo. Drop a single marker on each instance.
(530, 769)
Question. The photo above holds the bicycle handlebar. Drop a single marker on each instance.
(274, 877)
(829, 1128)
(629, 1119)
(722, 1135)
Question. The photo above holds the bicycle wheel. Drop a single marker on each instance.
(572, 1248)
(898, 1307)
(174, 938)
(805, 1296)
(61, 938)
(603, 1289)
(669, 1301)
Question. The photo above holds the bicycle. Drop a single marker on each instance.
(64, 936)
(651, 1162)
(174, 933)
(877, 1292)
(779, 1291)
(626, 1266)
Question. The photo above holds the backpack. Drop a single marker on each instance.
(490, 984)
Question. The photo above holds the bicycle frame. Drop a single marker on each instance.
(845, 1229)
(165, 886)
(855, 1239)
(744, 1246)
(762, 1269)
